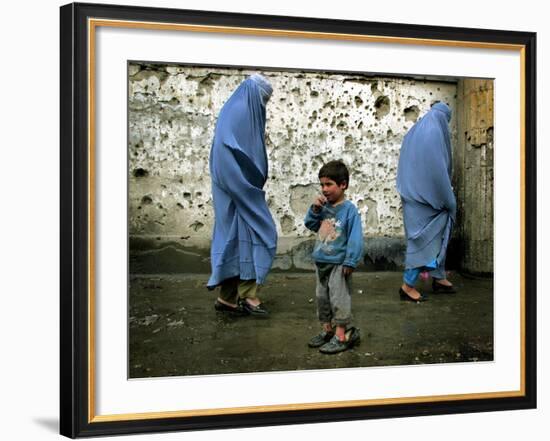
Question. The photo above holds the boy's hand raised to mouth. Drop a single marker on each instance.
(318, 203)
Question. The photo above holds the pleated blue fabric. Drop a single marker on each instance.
(244, 238)
(424, 183)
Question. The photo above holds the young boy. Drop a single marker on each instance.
(337, 252)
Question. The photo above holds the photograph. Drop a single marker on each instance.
(284, 219)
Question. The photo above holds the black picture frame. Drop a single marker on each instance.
(77, 416)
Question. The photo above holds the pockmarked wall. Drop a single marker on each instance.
(312, 118)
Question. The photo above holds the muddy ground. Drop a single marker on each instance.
(174, 330)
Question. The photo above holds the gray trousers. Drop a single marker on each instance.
(333, 292)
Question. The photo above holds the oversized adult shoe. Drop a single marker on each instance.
(320, 339)
(335, 346)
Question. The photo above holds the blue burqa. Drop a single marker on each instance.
(424, 183)
(244, 237)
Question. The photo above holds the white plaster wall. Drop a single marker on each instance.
(312, 117)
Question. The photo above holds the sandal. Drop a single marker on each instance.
(232, 310)
(257, 311)
(404, 296)
(443, 289)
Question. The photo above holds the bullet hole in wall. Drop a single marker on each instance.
(196, 225)
(411, 113)
(141, 173)
(382, 106)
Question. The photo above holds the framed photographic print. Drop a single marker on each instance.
(210, 160)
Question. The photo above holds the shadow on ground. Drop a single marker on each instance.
(174, 330)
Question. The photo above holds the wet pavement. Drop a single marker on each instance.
(174, 330)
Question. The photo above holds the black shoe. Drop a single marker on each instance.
(335, 346)
(404, 296)
(442, 289)
(231, 310)
(257, 311)
(320, 339)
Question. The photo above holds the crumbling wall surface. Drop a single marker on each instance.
(474, 175)
(312, 117)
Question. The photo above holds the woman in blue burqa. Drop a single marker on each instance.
(429, 205)
(244, 237)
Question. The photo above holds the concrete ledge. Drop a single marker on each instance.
(171, 255)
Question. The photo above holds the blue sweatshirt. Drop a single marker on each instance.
(340, 236)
